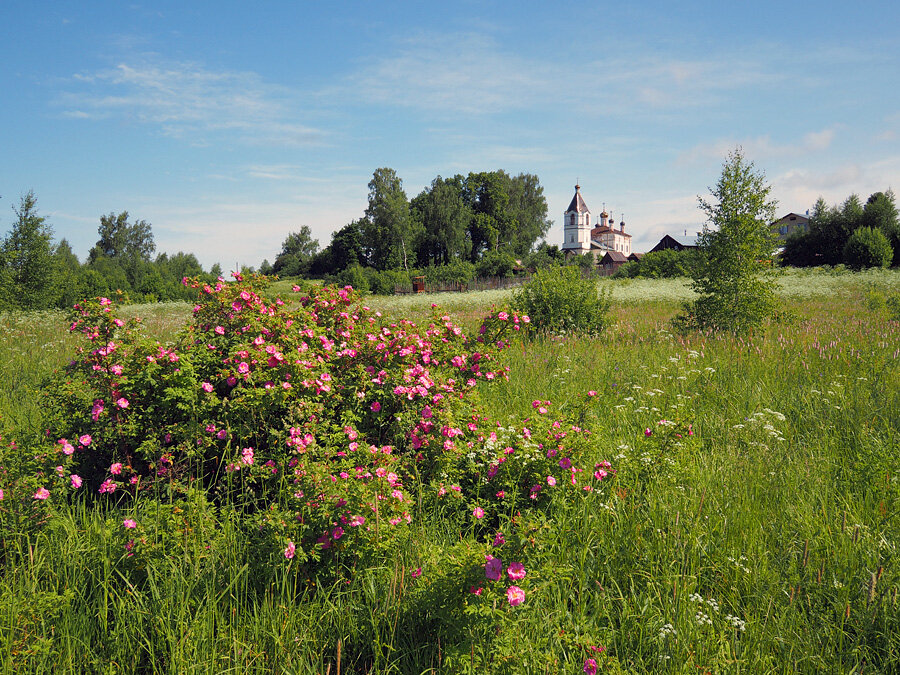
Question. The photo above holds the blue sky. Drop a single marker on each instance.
(228, 124)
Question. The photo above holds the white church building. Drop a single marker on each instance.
(580, 236)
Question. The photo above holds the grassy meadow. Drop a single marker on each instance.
(766, 542)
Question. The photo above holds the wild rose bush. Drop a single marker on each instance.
(313, 420)
(497, 469)
(24, 477)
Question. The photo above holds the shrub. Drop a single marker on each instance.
(665, 264)
(868, 247)
(496, 264)
(456, 272)
(559, 299)
(893, 306)
(316, 426)
(383, 282)
(354, 276)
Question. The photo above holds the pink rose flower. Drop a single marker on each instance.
(515, 595)
(129, 523)
(290, 550)
(493, 568)
(42, 494)
(516, 571)
(478, 512)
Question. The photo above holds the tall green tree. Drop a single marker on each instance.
(487, 193)
(29, 269)
(69, 275)
(120, 239)
(388, 231)
(127, 245)
(297, 253)
(733, 277)
(444, 217)
(880, 212)
(509, 213)
(345, 250)
(527, 212)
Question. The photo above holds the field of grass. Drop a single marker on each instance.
(765, 542)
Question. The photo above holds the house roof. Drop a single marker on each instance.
(676, 241)
(791, 217)
(614, 256)
(603, 229)
(684, 240)
(577, 204)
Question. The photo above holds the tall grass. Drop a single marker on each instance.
(769, 545)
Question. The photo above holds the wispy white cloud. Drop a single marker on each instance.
(472, 74)
(890, 130)
(455, 73)
(798, 188)
(656, 81)
(760, 148)
(186, 100)
(283, 172)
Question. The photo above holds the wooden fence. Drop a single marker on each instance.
(486, 283)
(480, 284)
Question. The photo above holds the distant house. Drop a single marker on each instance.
(677, 242)
(787, 225)
(611, 261)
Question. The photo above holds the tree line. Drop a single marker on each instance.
(485, 221)
(482, 224)
(36, 273)
(852, 233)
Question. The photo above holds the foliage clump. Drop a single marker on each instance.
(733, 275)
(830, 228)
(664, 264)
(320, 425)
(561, 300)
(868, 247)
